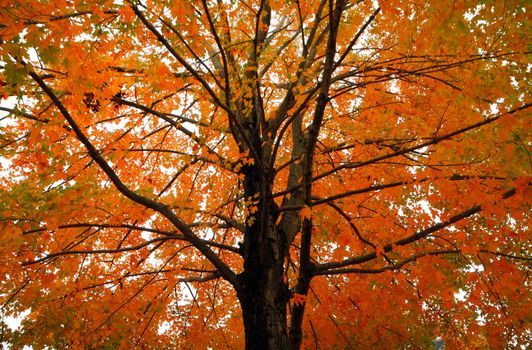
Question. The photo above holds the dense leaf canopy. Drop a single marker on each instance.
(384, 145)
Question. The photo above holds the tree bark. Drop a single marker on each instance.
(264, 313)
(262, 292)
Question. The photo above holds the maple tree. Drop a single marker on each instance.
(279, 174)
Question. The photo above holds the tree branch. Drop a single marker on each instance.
(225, 271)
(433, 141)
(321, 268)
(180, 59)
(392, 267)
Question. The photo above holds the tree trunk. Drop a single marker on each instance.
(262, 292)
(264, 314)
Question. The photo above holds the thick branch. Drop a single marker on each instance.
(322, 268)
(421, 145)
(225, 271)
(319, 201)
(306, 271)
(391, 267)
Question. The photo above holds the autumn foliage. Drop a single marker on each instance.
(328, 174)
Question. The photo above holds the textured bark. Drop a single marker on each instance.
(264, 312)
(262, 292)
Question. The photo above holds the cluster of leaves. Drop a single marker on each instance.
(420, 171)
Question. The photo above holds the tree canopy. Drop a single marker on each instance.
(269, 174)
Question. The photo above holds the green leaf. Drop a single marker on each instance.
(462, 26)
(50, 54)
(15, 74)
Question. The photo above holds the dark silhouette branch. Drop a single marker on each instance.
(322, 268)
(392, 267)
(164, 209)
